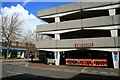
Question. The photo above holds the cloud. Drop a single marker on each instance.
(30, 21)
(26, 1)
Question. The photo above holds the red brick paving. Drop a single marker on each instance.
(39, 65)
(32, 64)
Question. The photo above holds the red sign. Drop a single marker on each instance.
(100, 62)
(71, 61)
(87, 62)
(84, 45)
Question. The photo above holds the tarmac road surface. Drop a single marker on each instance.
(18, 72)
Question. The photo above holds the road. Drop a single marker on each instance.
(18, 72)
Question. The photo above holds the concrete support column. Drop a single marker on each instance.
(57, 36)
(114, 33)
(57, 19)
(112, 12)
(57, 58)
(57, 54)
(115, 57)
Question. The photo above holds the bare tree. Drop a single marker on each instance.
(29, 38)
(11, 29)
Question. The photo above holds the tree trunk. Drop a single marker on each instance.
(7, 53)
(8, 49)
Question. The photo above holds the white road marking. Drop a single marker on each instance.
(14, 72)
(83, 69)
(18, 73)
(112, 73)
(8, 71)
(94, 71)
(103, 72)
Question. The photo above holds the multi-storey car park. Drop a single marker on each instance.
(81, 33)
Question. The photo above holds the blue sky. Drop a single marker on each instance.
(28, 11)
(33, 7)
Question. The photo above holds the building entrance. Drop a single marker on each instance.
(89, 58)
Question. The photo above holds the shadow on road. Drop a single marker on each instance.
(29, 77)
(93, 77)
(35, 61)
(77, 77)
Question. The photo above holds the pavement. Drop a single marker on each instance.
(73, 69)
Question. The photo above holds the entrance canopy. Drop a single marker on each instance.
(106, 49)
(99, 49)
(57, 50)
(14, 48)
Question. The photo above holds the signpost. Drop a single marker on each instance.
(57, 58)
(115, 56)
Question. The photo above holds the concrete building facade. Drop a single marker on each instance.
(84, 28)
